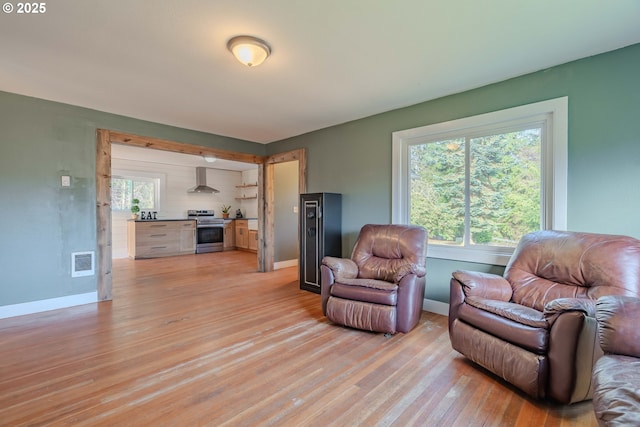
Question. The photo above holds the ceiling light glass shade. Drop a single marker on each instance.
(249, 50)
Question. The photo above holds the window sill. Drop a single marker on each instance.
(494, 256)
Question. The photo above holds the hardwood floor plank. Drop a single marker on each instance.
(207, 340)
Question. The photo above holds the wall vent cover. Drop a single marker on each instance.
(82, 264)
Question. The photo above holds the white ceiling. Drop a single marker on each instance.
(333, 60)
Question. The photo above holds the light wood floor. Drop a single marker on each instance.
(206, 340)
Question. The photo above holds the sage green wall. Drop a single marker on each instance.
(42, 223)
(604, 149)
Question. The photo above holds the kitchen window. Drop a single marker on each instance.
(480, 183)
(126, 186)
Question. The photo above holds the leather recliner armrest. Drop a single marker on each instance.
(417, 270)
(562, 305)
(342, 268)
(572, 348)
(485, 285)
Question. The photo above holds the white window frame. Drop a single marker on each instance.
(159, 178)
(554, 171)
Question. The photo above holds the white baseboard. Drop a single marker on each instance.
(47, 304)
(91, 297)
(436, 307)
(284, 264)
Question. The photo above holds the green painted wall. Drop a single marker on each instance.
(42, 223)
(604, 149)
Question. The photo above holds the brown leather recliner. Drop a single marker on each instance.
(381, 288)
(535, 326)
(616, 375)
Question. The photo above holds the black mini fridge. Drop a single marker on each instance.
(320, 235)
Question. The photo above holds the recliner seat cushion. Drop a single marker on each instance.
(367, 290)
(522, 334)
(516, 312)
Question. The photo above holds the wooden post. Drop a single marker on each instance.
(103, 213)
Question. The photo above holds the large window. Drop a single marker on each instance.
(479, 184)
(126, 186)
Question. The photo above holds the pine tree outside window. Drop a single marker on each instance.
(479, 184)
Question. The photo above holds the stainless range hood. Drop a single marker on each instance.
(201, 182)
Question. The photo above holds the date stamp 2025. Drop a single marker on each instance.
(25, 8)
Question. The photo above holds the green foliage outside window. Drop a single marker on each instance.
(124, 190)
(503, 199)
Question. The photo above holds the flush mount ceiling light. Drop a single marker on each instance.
(249, 50)
(209, 158)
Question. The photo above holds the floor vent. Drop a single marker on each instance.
(82, 264)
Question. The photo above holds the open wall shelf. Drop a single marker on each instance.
(252, 194)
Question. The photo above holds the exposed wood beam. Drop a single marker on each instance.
(180, 147)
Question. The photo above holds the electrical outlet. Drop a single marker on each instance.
(295, 209)
(66, 181)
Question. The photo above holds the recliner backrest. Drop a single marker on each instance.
(548, 265)
(617, 324)
(382, 250)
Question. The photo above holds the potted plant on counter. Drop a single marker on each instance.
(135, 208)
(225, 211)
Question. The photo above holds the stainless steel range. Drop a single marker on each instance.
(209, 231)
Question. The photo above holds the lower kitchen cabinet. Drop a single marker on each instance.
(187, 238)
(242, 234)
(229, 235)
(246, 239)
(152, 239)
(253, 240)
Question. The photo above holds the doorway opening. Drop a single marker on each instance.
(105, 138)
(285, 221)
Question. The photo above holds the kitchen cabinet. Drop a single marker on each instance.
(253, 240)
(229, 235)
(242, 234)
(187, 237)
(152, 239)
(246, 238)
